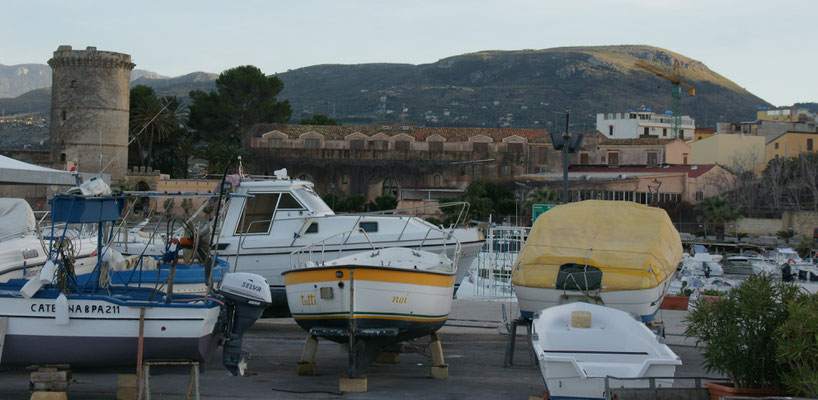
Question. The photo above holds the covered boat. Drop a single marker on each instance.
(615, 253)
(579, 345)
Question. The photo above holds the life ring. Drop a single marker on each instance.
(790, 261)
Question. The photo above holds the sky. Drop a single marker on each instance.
(769, 47)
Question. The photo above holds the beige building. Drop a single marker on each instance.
(734, 151)
(641, 151)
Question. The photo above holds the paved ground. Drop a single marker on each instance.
(473, 347)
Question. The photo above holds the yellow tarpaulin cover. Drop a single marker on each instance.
(635, 246)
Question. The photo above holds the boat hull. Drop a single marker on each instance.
(643, 303)
(405, 304)
(103, 331)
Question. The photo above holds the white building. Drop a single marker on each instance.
(636, 124)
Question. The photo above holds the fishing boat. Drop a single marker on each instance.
(614, 253)
(55, 318)
(580, 345)
(377, 297)
(268, 219)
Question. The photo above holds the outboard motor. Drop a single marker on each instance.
(246, 296)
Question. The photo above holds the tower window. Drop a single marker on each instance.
(74, 84)
(64, 115)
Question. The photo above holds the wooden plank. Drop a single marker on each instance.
(4, 323)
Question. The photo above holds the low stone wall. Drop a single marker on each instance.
(803, 222)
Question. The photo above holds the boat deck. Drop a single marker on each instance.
(472, 347)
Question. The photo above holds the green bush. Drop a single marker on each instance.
(741, 331)
(798, 346)
(713, 292)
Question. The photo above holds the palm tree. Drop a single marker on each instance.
(542, 195)
(718, 210)
(155, 118)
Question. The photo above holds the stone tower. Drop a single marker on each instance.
(90, 104)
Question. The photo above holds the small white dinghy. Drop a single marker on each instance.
(580, 344)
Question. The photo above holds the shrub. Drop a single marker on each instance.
(798, 346)
(740, 331)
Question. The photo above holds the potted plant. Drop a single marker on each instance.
(678, 301)
(740, 334)
(711, 295)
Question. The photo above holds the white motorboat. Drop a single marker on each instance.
(702, 263)
(269, 219)
(615, 253)
(579, 345)
(23, 252)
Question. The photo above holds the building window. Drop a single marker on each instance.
(312, 143)
(506, 171)
(646, 131)
(390, 187)
(380, 145)
(436, 145)
(62, 157)
(478, 171)
(64, 115)
(356, 144)
(664, 132)
(610, 130)
(516, 148)
(776, 146)
(74, 84)
(613, 158)
(542, 155)
(345, 179)
(437, 180)
(275, 143)
(652, 158)
(809, 144)
(479, 147)
(402, 145)
(681, 133)
(685, 159)
(699, 195)
(583, 158)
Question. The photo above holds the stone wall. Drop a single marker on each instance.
(90, 104)
(802, 222)
(759, 226)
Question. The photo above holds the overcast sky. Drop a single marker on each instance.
(770, 47)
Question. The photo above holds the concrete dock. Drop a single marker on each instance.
(473, 345)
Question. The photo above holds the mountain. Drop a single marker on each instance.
(525, 88)
(18, 79)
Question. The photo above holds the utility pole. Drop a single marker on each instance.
(566, 137)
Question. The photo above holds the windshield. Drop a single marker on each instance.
(312, 201)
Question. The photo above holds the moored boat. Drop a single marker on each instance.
(579, 345)
(615, 253)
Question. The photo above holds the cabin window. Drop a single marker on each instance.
(368, 227)
(288, 202)
(258, 212)
(313, 228)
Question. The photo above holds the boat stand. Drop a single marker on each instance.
(50, 382)
(192, 384)
(512, 341)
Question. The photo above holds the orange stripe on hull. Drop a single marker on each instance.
(311, 275)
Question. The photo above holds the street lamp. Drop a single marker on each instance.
(568, 144)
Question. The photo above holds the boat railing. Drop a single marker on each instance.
(312, 248)
(652, 384)
(320, 247)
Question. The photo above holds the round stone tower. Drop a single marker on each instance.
(90, 104)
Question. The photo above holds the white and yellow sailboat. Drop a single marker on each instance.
(615, 253)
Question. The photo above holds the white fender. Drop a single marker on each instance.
(47, 272)
(61, 310)
(31, 287)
